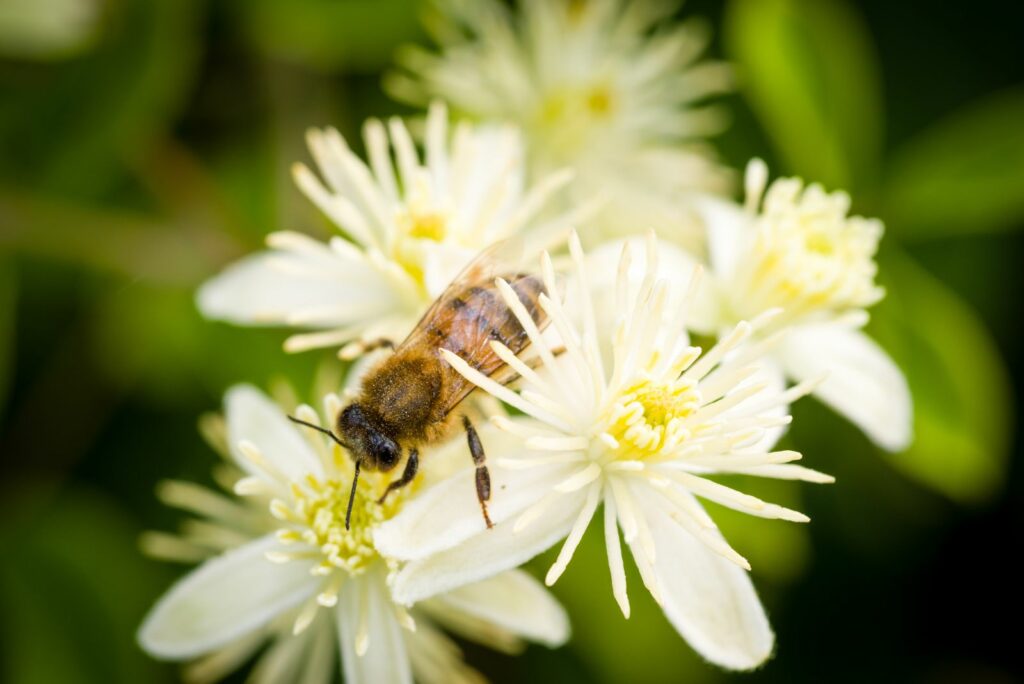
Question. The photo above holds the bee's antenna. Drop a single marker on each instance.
(318, 429)
(352, 496)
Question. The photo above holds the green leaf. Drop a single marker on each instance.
(964, 176)
(133, 245)
(962, 400)
(809, 71)
(355, 34)
(8, 321)
(47, 30)
(73, 130)
(74, 593)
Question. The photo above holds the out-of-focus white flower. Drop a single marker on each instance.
(607, 87)
(289, 572)
(408, 233)
(631, 416)
(795, 248)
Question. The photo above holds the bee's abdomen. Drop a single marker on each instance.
(509, 331)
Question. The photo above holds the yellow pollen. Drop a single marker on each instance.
(318, 508)
(600, 101)
(648, 416)
(426, 226)
(807, 255)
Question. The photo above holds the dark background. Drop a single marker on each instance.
(138, 161)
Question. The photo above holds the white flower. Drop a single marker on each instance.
(607, 87)
(798, 250)
(641, 428)
(408, 235)
(290, 573)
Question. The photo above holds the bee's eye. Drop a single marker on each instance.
(386, 452)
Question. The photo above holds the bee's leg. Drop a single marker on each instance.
(483, 477)
(412, 465)
(359, 347)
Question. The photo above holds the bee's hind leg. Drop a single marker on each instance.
(483, 476)
(412, 466)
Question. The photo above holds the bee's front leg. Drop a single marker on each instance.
(483, 476)
(412, 466)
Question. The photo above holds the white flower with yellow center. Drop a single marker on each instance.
(289, 572)
(631, 416)
(609, 88)
(407, 234)
(795, 248)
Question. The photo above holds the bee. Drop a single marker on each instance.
(411, 398)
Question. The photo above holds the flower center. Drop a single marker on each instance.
(649, 416)
(418, 222)
(317, 517)
(568, 116)
(807, 256)
(424, 224)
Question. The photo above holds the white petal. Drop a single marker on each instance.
(486, 553)
(319, 661)
(253, 417)
(514, 601)
(448, 513)
(728, 232)
(283, 660)
(708, 599)
(863, 383)
(223, 599)
(770, 375)
(674, 264)
(385, 661)
(257, 291)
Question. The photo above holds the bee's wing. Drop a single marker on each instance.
(471, 313)
(504, 257)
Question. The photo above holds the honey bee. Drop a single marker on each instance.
(410, 399)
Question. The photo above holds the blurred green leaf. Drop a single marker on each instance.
(153, 338)
(133, 245)
(357, 35)
(962, 399)
(965, 175)
(74, 595)
(47, 29)
(8, 321)
(809, 72)
(72, 129)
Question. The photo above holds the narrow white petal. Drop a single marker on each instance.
(269, 288)
(223, 599)
(364, 603)
(514, 601)
(787, 472)
(253, 418)
(862, 382)
(486, 553)
(287, 658)
(575, 535)
(614, 549)
(709, 600)
(448, 513)
(728, 232)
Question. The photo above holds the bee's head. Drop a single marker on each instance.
(370, 447)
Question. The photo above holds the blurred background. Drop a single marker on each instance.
(146, 143)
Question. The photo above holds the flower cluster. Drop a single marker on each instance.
(649, 339)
